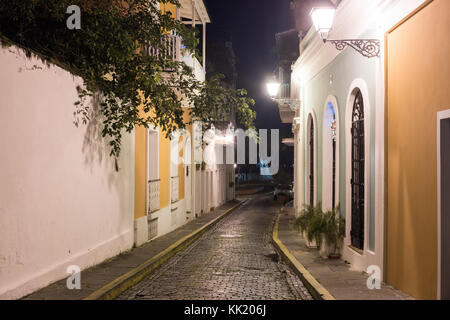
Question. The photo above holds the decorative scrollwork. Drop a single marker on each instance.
(369, 48)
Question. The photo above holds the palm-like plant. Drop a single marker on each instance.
(318, 224)
(312, 222)
(302, 222)
(334, 229)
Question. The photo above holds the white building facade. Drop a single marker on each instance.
(339, 128)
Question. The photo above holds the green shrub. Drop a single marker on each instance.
(318, 224)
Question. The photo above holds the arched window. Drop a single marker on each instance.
(330, 155)
(333, 146)
(358, 171)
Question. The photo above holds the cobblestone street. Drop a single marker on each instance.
(233, 260)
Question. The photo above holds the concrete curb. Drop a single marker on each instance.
(315, 288)
(126, 281)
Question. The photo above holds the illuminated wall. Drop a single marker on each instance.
(418, 82)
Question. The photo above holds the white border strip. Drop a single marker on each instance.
(440, 116)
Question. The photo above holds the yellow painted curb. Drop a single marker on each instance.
(314, 287)
(129, 279)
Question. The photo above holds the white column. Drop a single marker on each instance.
(193, 26)
(299, 164)
(204, 47)
(296, 181)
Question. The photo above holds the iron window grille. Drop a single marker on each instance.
(358, 170)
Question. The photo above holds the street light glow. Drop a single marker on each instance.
(273, 88)
(323, 19)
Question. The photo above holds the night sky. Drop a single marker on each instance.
(251, 25)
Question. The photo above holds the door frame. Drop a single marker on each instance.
(440, 116)
(358, 84)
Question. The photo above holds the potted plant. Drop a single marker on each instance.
(324, 230)
(316, 227)
(334, 232)
(311, 224)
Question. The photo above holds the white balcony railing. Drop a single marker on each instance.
(196, 66)
(172, 48)
(153, 195)
(174, 187)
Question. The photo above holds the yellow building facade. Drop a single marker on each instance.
(169, 189)
(417, 84)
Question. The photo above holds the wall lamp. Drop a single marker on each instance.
(284, 100)
(323, 18)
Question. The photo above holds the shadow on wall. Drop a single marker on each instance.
(95, 147)
(96, 150)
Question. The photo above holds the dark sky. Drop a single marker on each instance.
(252, 25)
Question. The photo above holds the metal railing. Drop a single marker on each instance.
(174, 187)
(153, 195)
(171, 45)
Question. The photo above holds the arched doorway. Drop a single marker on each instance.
(357, 172)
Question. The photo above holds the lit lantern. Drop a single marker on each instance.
(273, 87)
(323, 18)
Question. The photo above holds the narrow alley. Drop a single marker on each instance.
(233, 260)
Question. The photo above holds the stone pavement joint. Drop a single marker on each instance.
(233, 260)
(325, 278)
(110, 278)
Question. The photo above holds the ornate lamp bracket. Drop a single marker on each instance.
(369, 48)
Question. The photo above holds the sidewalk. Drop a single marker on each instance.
(333, 276)
(110, 278)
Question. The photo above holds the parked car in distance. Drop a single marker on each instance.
(286, 190)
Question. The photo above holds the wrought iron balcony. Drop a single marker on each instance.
(286, 104)
(285, 91)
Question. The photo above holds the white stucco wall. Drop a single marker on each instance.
(354, 19)
(61, 201)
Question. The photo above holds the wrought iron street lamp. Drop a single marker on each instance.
(323, 18)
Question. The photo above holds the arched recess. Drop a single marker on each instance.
(311, 159)
(188, 174)
(358, 166)
(330, 154)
